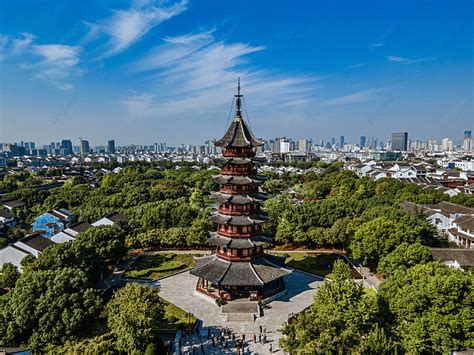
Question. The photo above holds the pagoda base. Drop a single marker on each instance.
(256, 279)
(230, 293)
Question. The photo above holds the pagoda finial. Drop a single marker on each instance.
(238, 114)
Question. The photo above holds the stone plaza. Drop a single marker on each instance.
(180, 291)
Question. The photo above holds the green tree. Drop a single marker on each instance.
(339, 320)
(108, 241)
(70, 254)
(48, 307)
(431, 308)
(196, 200)
(380, 236)
(403, 257)
(9, 275)
(134, 314)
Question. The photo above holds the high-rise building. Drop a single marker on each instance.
(467, 144)
(341, 142)
(400, 141)
(362, 141)
(447, 144)
(284, 145)
(304, 145)
(66, 147)
(85, 148)
(111, 146)
(333, 141)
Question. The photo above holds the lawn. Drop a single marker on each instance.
(176, 318)
(154, 266)
(317, 264)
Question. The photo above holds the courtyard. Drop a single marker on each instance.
(180, 290)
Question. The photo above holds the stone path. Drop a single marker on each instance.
(300, 289)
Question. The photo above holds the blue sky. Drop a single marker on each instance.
(153, 71)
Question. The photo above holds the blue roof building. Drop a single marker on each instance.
(52, 222)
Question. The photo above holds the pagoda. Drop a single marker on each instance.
(239, 268)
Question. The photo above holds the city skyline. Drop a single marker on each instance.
(149, 71)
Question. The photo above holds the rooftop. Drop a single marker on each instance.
(465, 257)
(37, 242)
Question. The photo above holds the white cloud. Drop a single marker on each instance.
(22, 42)
(126, 27)
(355, 97)
(357, 65)
(58, 63)
(55, 63)
(405, 60)
(196, 74)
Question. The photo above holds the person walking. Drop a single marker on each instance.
(254, 338)
(260, 326)
(271, 348)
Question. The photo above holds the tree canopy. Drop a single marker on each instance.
(48, 307)
(339, 320)
(134, 314)
(431, 308)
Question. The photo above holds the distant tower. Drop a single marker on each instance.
(467, 143)
(362, 141)
(84, 146)
(239, 268)
(111, 146)
(400, 141)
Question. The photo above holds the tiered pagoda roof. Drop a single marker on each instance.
(239, 258)
(257, 272)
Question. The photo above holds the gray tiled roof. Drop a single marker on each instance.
(239, 199)
(238, 243)
(37, 242)
(238, 135)
(256, 272)
(238, 180)
(238, 161)
(220, 218)
(465, 257)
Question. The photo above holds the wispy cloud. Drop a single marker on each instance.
(125, 27)
(195, 73)
(357, 65)
(405, 60)
(355, 97)
(55, 63)
(58, 63)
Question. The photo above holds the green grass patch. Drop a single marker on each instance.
(176, 318)
(153, 266)
(317, 264)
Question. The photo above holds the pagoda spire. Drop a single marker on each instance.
(238, 102)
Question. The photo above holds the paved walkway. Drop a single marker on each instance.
(300, 289)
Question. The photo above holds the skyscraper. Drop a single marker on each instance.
(362, 141)
(333, 141)
(467, 144)
(85, 148)
(400, 141)
(304, 145)
(66, 147)
(341, 142)
(111, 146)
